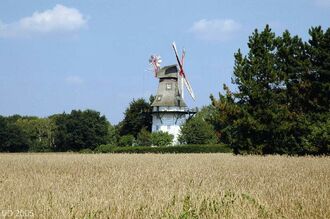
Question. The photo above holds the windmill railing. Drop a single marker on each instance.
(183, 110)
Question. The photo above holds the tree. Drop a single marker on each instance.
(197, 131)
(283, 89)
(39, 131)
(113, 135)
(259, 87)
(137, 116)
(12, 137)
(318, 49)
(80, 130)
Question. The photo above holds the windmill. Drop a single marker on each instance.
(169, 109)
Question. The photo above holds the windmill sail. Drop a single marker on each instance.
(181, 87)
(189, 88)
(183, 76)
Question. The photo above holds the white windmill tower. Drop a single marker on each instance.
(169, 109)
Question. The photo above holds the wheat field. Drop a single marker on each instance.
(67, 185)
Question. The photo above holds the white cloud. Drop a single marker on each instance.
(57, 20)
(74, 80)
(323, 3)
(216, 29)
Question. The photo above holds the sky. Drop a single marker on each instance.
(56, 56)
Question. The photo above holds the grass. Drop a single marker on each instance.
(66, 185)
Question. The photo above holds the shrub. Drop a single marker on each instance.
(40, 148)
(197, 131)
(161, 138)
(104, 148)
(126, 140)
(144, 138)
(86, 151)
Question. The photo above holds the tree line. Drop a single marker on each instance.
(60, 132)
(80, 130)
(88, 130)
(279, 105)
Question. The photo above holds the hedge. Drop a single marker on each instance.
(165, 149)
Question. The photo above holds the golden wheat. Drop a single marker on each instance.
(163, 186)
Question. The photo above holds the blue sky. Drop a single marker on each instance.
(56, 56)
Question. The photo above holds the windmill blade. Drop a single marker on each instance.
(183, 56)
(181, 86)
(177, 56)
(181, 73)
(189, 88)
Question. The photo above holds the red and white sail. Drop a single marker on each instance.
(182, 76)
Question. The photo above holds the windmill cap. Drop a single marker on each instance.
(170, 71)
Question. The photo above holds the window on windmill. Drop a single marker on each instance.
(159, 97)
(168, 86)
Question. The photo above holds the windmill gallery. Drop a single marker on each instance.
(169, 111)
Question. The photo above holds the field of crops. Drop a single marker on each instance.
(68, 185)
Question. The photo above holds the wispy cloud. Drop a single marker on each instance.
(56, 20)
(323, 3)
(216, 29)
(74, 80)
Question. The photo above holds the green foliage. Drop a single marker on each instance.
(39, 131)
(76, 131)
(113, 135)
(79, 130)
(104, 148)
(161, 138)
(126, 140)
(86, 151)
(206, 113)
(197, 131)
(144, 138)
(137, 116)
(12, 137)
(282, 102)
(318, 49)
(318, 138)
(165, 149)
